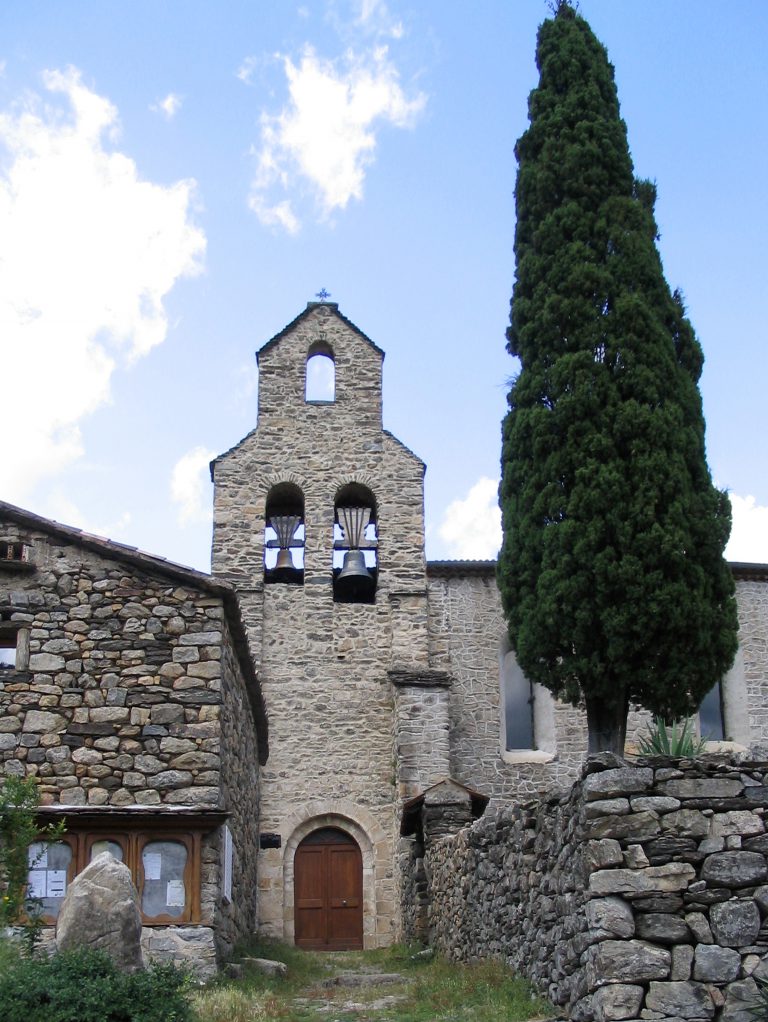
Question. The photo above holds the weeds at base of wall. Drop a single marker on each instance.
(425, 991)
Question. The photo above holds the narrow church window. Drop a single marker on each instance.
(355, 563)
(321, 373)
(711, 717)
(284, 535)
(517, 693)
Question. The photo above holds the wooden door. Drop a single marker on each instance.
(328, 891)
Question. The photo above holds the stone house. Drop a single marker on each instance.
(127, 690)
(389, 684)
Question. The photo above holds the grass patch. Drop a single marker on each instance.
(486, 992)
(431, 991)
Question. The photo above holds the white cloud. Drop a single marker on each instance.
(169, 106)
(749, 535)
(375, 16)
(190, 486)
(471, 528)
(325, 136)
(88, 252)
(246, 69)
(60, 508)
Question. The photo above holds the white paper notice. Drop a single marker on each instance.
(37, 855)
(153, 862)
(57, 883)
(175, 893)
(36, 883)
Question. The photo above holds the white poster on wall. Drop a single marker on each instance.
(36, 886)
(174, 893)
(153, 863)
(57, 883)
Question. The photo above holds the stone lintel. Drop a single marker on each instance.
(419, 677)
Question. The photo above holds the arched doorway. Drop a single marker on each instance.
(328, 893)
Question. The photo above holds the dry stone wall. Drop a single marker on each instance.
(642, 893)
(237, 916)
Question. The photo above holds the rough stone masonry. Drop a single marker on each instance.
(640, 894)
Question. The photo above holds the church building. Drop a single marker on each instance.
(303, 705)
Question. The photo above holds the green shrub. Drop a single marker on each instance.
(19, 802)
(84, 986)
(676, 740)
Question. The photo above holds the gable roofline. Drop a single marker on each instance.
(311, 306)
(151, 563)
(225, 454)
(404, 447)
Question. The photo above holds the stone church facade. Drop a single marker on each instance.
(386, 680)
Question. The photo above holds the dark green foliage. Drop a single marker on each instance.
(85, 986)
(611, 571)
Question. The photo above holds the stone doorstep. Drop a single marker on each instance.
(364, 979)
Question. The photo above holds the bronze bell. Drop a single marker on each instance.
(354, 581)
(285, 527)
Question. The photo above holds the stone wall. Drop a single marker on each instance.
(642, 893)
(119, 702)
(751, 668)
(240, 780)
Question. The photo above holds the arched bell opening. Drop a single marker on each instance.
(284, 535)
(355, 562)
(320, 384)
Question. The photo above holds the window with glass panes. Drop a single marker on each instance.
(164, 866)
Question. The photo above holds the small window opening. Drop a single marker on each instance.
(15, 555)
(321, 374)
(711, 716)
(355, 562)
(10, 551)
(517, 692)
(8, 645)
(284, 535)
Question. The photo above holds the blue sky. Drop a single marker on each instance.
(177, 180)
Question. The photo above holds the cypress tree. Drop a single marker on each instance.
(611, 571)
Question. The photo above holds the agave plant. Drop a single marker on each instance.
(676, 740)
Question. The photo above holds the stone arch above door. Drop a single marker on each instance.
(377, 859)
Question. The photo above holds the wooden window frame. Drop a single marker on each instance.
(133, 841)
